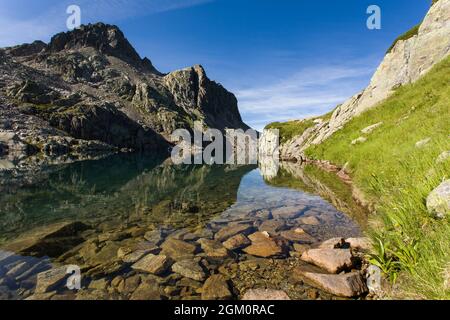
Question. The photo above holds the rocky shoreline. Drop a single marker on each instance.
(345, 177)
(262, 254)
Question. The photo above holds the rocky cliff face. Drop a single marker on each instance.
(90, 87)
(408, 61)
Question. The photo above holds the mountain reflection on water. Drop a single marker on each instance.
(121, 189)
(103, 215)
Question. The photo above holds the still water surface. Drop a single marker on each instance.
(125, 204)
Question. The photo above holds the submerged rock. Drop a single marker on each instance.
(18, 269)
(438, 201)
(52, 240)
(232, 230)
(332, 260)
(273, 226)
(41, 296)
(100, 284)
(265, 295)
(310, 220)
(216, 288)
(290, 212)
(237, 242)
(147, 290)
(130, 284)
(264, 246)
(190, 269)
(298, 235)
(51, 280)
(131, 257)
(178, 249)
(153, 264)
(5, 255)
(155, 237)
(213, 249)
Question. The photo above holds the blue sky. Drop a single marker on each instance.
(283, 59)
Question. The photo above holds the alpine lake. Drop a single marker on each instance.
(140, 228)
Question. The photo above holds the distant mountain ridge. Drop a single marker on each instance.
(90, 87)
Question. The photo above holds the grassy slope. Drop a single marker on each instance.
(291, 129)
(398, 176)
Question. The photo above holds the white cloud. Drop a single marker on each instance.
(308, 92)
(122, 9)
(50, 18)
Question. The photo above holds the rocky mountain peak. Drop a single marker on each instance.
(90, 88)
(107, 39)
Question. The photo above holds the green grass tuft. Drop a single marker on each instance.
(407, 35)
(410, 33)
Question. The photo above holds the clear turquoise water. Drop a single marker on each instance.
(126, 192)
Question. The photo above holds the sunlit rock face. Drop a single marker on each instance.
(408, 61)
(90, 84)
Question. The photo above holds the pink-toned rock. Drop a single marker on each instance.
(265, 295)
(331, 260)
(301, 248)
(333, 243)
(363, 244)
(347, 285)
